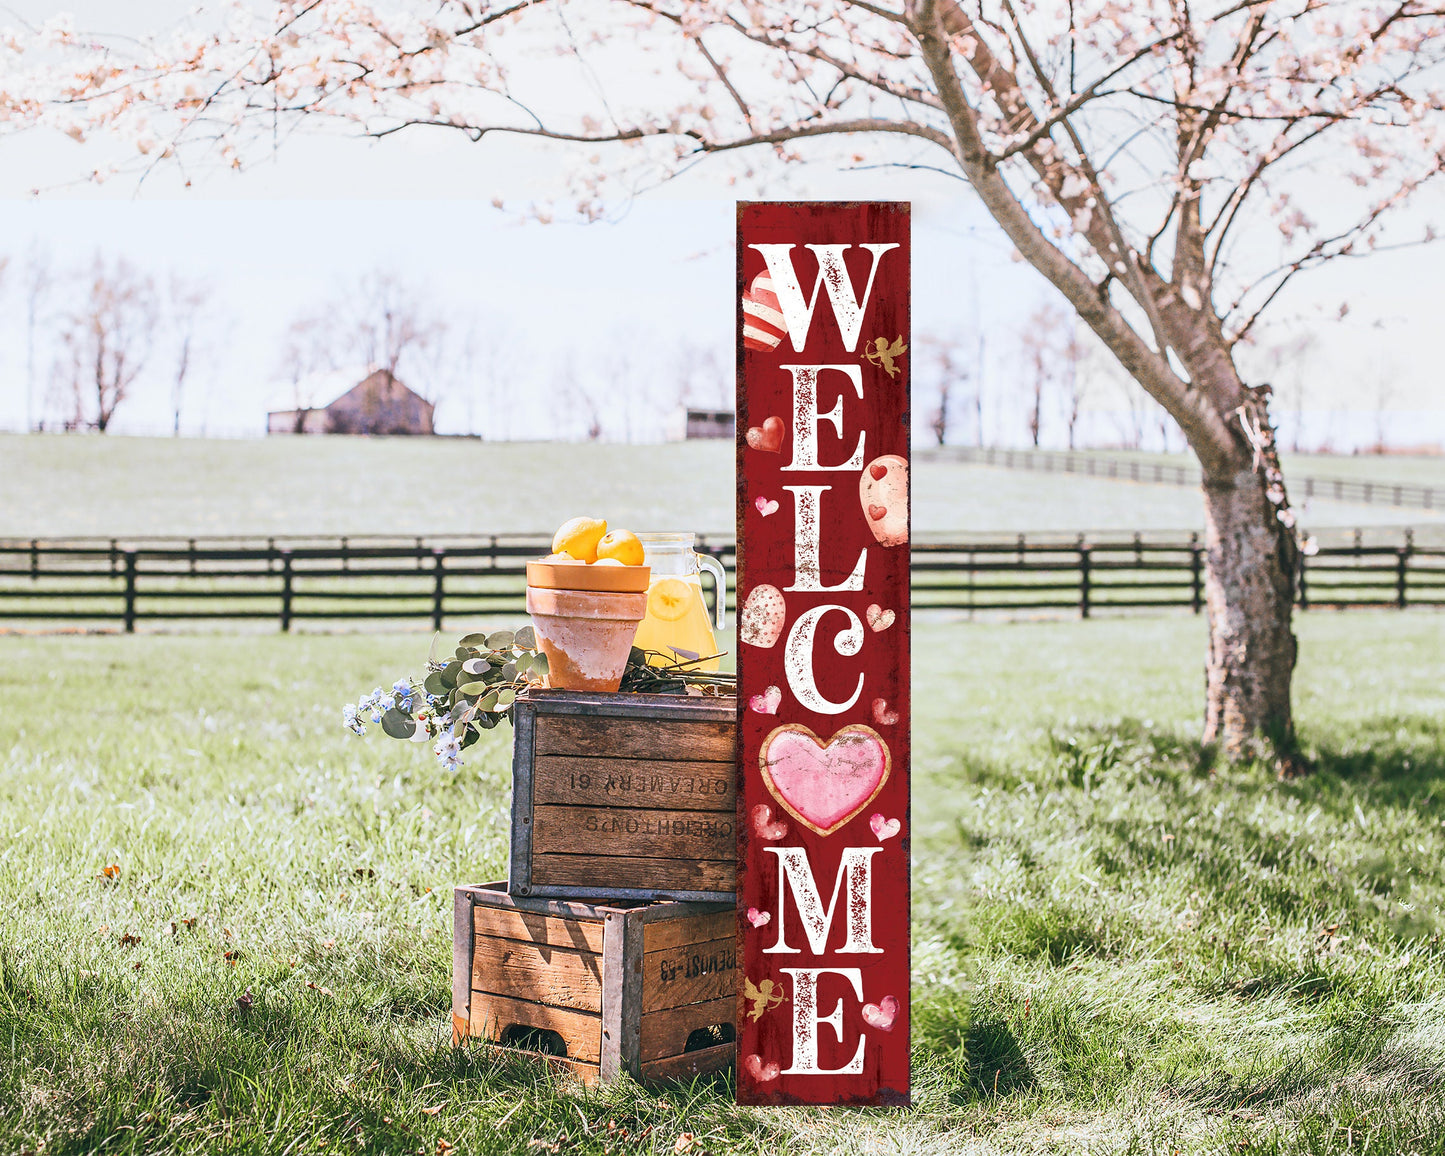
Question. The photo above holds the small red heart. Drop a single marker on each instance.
(761, 1072)
(877, 512)
(877, 471)
(769, 438)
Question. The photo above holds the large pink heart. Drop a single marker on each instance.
(824, 785)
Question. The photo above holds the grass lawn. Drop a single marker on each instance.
(1114, 951)
(117, 486)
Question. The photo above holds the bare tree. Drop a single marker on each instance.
(1052, 352)
(1383, 398)
(1076, 388)
(186, 305)
(308, 349)
(36, 289)
(1035, 341)
(1284, 360)
(944, 362)
(395, 325)
(106, 338)
(379, 320)
(1139, 156)
(581, 397)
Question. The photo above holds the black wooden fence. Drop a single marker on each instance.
(289, 581)
(1144, 469)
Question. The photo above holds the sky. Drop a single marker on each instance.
(563, 302)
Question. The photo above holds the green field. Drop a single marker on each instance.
(113, 486)
(1115, 951)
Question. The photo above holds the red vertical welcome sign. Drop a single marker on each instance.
(823, 691)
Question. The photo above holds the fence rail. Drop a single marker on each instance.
(1142, 469)
(303, 580)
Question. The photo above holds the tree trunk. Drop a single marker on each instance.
(1249, 589)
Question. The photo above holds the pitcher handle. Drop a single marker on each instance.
(715, 568)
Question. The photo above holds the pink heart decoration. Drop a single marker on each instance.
(767, 437)
(884, 828)
(878, 618)
(882, 715)
(767, 702)
(763, 825)
(823, 785)
(759, 918)
(763, 324)
(766, 507)
(763, 1073)
(881, 1015)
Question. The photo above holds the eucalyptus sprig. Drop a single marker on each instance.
(473, 689)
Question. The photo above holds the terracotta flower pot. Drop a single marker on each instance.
(585, 634)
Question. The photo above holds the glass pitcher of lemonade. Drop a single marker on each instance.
(677, 620)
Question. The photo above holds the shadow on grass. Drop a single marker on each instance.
(1358, 1059)
(996, 1063)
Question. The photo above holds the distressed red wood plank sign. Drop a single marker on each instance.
(823, 695)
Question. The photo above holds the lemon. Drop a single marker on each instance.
(579, 537)
(669, 599)
(621, 546)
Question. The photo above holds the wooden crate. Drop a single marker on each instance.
(648, 989)
(624, 796)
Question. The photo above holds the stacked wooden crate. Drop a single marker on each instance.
(612, 946)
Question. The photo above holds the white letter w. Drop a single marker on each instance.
(833, 273)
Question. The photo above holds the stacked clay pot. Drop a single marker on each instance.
(585, 618)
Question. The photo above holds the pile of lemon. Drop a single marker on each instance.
(588, 540)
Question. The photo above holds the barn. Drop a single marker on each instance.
(379, 404)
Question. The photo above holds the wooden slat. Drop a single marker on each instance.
(462, 939)
(664, 933)
(622, 832)
(693, 973)
(691, 1064)
(661, 874)
(550, 975)
(546, 930)
(645, 783)
(586, 1073)
(664, 1033)
(628, 704)
(626, 738)
(581, 1031)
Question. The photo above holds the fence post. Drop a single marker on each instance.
(1402, 561)
(438, 589)
(1083, 579)
(130, 591)
(34, 561)
(1304, 586)
(1196, 569)
(285, 591)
